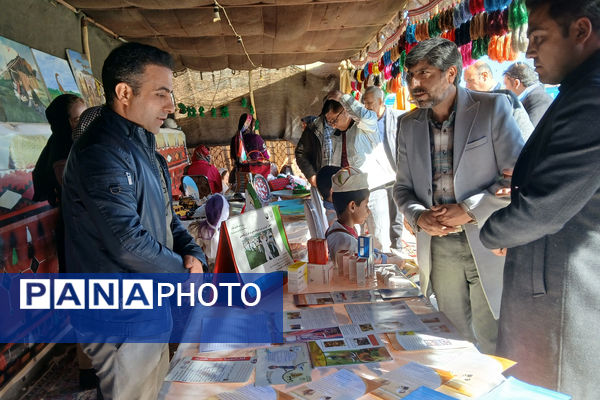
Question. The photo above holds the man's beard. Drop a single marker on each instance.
(427, 102)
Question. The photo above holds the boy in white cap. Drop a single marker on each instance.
(350, 199)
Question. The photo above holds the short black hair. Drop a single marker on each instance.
(324, 179)
(127, 63)
(332, 105)
(564, 12)
(342, 199)
(439, 53)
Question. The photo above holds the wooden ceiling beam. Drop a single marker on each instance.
(85, 5)
(279, 53)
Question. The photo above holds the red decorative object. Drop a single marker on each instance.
(279, 183)
(317, 251)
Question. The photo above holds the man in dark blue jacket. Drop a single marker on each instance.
(118, 211)
(550, 315)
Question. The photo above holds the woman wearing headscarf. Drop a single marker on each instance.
(201, 166)
(248, 147)
(253, 143)
(207, 231)
(62, 115)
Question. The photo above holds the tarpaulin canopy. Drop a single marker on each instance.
(276, 33)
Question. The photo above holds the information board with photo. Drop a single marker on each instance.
(253, 242)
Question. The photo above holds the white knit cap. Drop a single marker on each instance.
(349, 179)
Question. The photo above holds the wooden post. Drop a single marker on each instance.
(85, 40)
(252, 96)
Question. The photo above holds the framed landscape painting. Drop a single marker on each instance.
(23, 94)
(56, 73)
(90, 88)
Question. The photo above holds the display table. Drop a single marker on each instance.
(178, 390)
(297, 234)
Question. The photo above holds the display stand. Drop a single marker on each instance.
(254, 242)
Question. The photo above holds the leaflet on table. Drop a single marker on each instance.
(400, 382)
(424, 393)
(212, 369)
(251, 392)
(328, 358)
(514, 389)
(362, 329)
(306, 335)
(356, 296)
(313, 318)
(209, 347)
(390, 316)
(287, 364)
(346, 296)
(438, 333)
(474, 373)
(343, 384)
(258, 241)
(309, 299)
(354, 341)
(438, 323)
(410, 341)
(378, 312)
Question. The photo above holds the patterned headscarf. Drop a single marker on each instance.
(201, 153)
(245, 124)
(217, 211)
(85, 120)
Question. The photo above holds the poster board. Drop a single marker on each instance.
(56, 73)
(23, 94)
(253, 242)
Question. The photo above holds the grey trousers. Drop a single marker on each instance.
(396, 221)
(129, 371)
(458, 290)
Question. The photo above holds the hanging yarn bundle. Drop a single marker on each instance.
(498, 22)
(517, 22)
(496, 28)
(410, 34)
(494, 5)
(463, 34)
(465, 52)
(478, 26)
(462, 13)
(500, 48)
(479, 47)
(433, 26)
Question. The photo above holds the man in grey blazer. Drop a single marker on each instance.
(451, 152)
(387, 125)
(550, 316)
